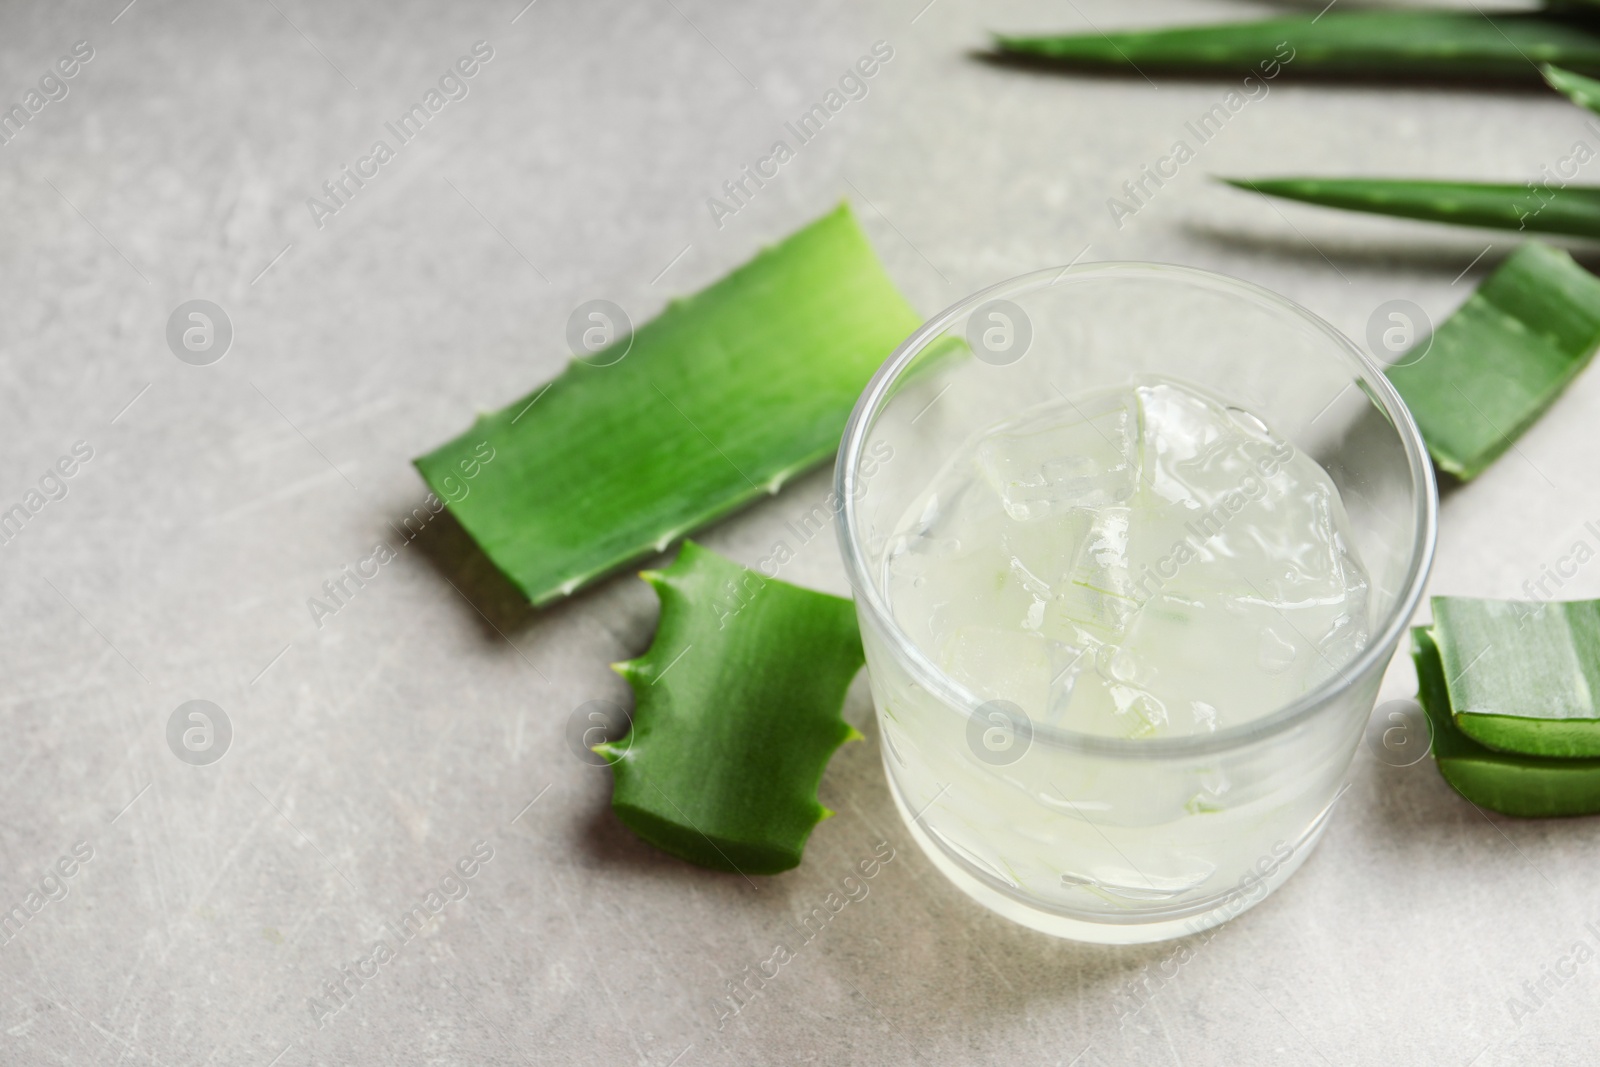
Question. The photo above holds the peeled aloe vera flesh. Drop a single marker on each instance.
(1522, 676)
(1478, 46)
(736, 714)
(1503, 358)
(1526, 786)
(719, 400)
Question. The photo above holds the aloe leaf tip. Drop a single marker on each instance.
(1581, 90)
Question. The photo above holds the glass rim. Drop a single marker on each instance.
(871, 601)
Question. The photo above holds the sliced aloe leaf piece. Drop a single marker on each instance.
(1395, 45)
(717, 401)
(1527, 786)
(1501, 360)
(1573, 211)
(1522, 676)
(736, 713)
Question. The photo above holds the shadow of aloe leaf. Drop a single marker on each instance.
(498, 607)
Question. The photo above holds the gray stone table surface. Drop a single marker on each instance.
(210, 908)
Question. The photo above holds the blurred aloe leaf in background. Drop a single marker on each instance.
(1542, 206)
(1389, 45)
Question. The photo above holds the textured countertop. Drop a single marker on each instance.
(419, 730)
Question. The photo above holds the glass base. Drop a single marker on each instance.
(1126, 928)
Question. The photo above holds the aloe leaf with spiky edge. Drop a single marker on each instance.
(1392, 45)
(1526, 786)
(716, 402)
(1492, 368)
(736, 714)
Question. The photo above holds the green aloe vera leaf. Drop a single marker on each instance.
(1527, 786)
(1522, 676)
(1585, 92)
(1456, 45)
(736, 713)
(1573, 211)
(1501, 360)
(717, 401)
(1543, 207)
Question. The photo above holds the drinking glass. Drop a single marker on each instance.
(1102, 838)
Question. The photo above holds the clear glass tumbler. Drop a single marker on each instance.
(1100, 838)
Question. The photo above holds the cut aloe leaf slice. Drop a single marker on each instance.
(1502, 359)
(1393, 45)
(1527, 786)
(736, 713)
(1522, 676)
(719, 400)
